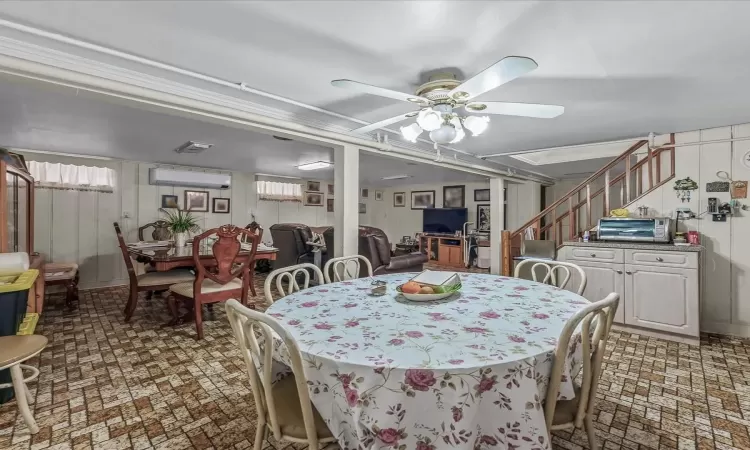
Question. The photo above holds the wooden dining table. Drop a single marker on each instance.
(167, 258)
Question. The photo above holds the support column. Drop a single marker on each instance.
(497, 218)
(346, 200)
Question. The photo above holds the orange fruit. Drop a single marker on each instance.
(411, 287)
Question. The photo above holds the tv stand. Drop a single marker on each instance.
(445, 249)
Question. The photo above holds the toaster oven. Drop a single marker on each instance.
(640, 229)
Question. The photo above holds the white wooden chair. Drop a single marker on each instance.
(549, 268)
(290, 274)
(343, 265)
(284, 407)
(13, 351)
(579, 411)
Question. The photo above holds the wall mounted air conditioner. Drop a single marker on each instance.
(169, 177)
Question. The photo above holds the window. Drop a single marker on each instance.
(280, 192)
(69, 176)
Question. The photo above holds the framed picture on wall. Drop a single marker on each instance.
(422, 199)
(481, 195)
(313, 186)
(220, 206)
(483, 218)
(399, 199)
(329, 205)
(313, 199)
(365, 193)
(453, 196)
(363, 208)
(379, 196)
(196, 201)
(169, 201)
(330, 189)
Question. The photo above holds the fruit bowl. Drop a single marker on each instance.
(417, 297)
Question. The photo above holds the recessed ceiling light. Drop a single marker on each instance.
(193, 147)
(396, 177)
(317, 165)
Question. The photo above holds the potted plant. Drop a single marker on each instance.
(180, 223)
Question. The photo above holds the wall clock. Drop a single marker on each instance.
(746, 159)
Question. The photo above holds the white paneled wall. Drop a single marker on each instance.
(523, 203)
(76, 226)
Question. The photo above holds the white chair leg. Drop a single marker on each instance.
(29, 397)
(21, 397)
(260, 433)
(590, 431)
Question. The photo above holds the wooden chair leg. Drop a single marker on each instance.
(69, 289)
(198, 311)
(132, 302)
(22, 398)
(251, 282)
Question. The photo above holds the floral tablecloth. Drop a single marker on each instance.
(467, 372)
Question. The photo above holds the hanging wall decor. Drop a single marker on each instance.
(683, 188)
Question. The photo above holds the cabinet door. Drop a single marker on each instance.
(601, 280)
(662, 298)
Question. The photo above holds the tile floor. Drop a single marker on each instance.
(106, 384)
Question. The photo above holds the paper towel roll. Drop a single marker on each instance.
(18, 261)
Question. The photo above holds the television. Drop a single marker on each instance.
(443, 220)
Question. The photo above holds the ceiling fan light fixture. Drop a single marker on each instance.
(476, 124)
(412, 132)
(443, 135)
(460, 133)
(429, 119)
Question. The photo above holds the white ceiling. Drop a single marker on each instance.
(51, 118)
(621, 69)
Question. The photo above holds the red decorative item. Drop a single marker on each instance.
(693, 238)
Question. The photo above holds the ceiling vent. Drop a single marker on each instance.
(192, 147)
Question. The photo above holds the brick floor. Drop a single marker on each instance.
(107, 384)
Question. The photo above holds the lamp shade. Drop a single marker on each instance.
(443, 135)
(429, 119)
(411, 133)
(476, 124)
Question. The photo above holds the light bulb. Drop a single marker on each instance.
(429, 119)
(460, 133)
(476, 124)
(411, 133)
(443, 135)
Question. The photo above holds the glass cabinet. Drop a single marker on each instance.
(17, 205)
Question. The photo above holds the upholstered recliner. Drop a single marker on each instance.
(291, 239)
(374, 245)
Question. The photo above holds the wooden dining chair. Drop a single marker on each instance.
(346, 267)
(160, 233)
(255, 228)
(149, 281)
(227, 278)
(291, 274)
(549, 268)
(284, 408)
(596, 321)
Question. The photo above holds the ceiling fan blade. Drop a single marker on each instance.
(516, 109)
(503, 71)
(384, 123)
(382, 92)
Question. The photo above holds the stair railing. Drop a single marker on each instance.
(568, 216)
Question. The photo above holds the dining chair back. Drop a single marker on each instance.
(226, 277)
(595, 321)
(150, 281)
(346, 268)
(283, 407)
(255, 228)
(160, 233)
(549, 268)
(290, 274)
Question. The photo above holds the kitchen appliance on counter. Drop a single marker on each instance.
(635, 229)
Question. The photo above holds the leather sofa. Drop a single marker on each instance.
(291, 240)
(374, 245)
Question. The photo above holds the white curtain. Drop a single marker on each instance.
(68, 176)
(280, 192)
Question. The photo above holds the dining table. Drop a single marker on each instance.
(469, 371)
(170, 257)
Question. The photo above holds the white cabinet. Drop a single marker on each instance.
(662, 298)
(658, 289)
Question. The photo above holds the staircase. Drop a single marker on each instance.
(636, 172)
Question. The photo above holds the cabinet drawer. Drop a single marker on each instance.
(665, 259)
(610, 255)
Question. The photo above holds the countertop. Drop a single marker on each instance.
(638, 246)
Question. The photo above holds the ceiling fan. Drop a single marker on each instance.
(443, 94)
